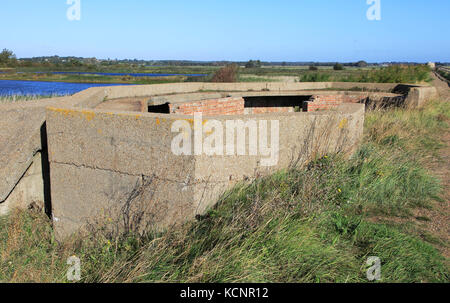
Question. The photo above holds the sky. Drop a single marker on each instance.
(234, 30)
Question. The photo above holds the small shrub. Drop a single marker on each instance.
(253, 64)
(361, 64)
(228, 73)
(338, 66)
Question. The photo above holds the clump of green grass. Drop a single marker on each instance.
(28, 251)
(404, 258)
(445, 74)
(307, 224)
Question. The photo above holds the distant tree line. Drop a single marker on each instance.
(8, 59)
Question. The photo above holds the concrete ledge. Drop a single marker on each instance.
(418, 96)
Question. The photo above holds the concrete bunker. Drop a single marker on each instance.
(237, 103)
(110, 157)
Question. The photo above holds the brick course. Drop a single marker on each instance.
(326, 102)
(225, 106)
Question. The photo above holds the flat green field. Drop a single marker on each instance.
(397, 74)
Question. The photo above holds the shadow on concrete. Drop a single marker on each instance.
(46, 171)
(159, 109)
(276, 101)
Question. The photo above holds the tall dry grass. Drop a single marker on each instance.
(20, 98)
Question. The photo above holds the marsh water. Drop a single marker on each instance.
(44, 88)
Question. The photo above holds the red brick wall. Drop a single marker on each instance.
(236, 105)
(326, 102)
(225, 106)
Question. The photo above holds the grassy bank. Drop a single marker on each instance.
(319, 223)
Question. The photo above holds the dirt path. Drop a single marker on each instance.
(439, 217)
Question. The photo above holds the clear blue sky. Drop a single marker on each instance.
(276, 30)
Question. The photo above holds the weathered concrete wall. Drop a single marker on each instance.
(98, 160)
(384, 87)
(21, 134)
(418, 96)
(29, 190)
(125, 104)
(302, 137)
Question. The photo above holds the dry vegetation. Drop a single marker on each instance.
(19, 98)
(228, 73)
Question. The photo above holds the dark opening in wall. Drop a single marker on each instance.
(402, 89)
(159, 109)
(46, 171)
(276, 101)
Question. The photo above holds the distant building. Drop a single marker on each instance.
(432, 65)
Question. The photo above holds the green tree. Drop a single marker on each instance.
(338, 66)
(7, 57)
(361, 64)
(253, 64)
(75, 63)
